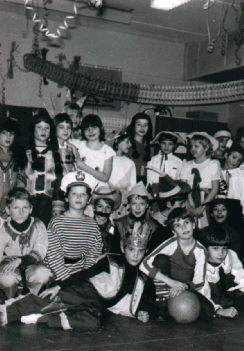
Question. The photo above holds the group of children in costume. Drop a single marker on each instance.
(87, 228)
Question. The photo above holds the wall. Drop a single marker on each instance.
(141, 59)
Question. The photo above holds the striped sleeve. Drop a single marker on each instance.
(95, 248)
(55, 254)
(168, 247)
(73, 244)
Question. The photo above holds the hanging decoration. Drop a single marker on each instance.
(11, 60)
(61, 57)
(239, 35)
(43, 24)
(3, 77)
(74, 67)
(96, 3)
(139, 93)
(221, 31)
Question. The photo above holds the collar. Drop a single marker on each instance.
(62, 146)
(21, 227)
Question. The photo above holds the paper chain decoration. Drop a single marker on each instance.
(138, 93)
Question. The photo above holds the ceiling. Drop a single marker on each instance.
(183, 24)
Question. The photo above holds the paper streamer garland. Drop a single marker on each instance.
(139, 93)
(42, 26)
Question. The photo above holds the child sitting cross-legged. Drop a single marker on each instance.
(178, 264)
(23, 246)
(224, 284)
(115, 283)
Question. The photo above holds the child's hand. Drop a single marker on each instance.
(229, 312)
(11, 266)
(143, 316)
(198, 211)
(29, 156)
(53, 292)
(157, 170)
(177, 288)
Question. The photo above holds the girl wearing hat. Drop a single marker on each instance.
(74, 239)
(95, 155)
(165, 162)
(11, 171)
(202, 174)
(140, 131)
(123, 176)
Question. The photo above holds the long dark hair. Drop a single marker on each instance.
(52, 143)
(11, 125)
(146, 139)
(42, 116)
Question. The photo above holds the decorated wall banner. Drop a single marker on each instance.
(139, 93)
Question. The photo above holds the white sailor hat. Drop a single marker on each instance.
(78, 178)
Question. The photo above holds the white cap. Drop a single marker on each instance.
(222, 133)
(213, 141)
(78, 178)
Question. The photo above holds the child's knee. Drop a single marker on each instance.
(8, 280)
(38, 274)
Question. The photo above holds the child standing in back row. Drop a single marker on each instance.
(202, 174)
(165, 162)
(67, 151)
(11, 170)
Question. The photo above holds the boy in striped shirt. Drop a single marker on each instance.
(178, 264)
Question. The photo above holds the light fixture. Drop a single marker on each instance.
(167, 4)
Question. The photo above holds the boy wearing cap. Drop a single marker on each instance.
(105, 201)
(74, 239)
(138, 201)
(224, 139)
(169, 194)
(115, 283)
(165, 162)
(202, 174)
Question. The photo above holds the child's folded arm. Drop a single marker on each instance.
(79, 277)
(165, 249)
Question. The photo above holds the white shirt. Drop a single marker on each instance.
(123, 174)
(171, 166)
(209, 171)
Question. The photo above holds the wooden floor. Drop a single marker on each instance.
(127, 334)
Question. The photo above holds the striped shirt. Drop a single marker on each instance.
(73, 244)
(187, 268)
